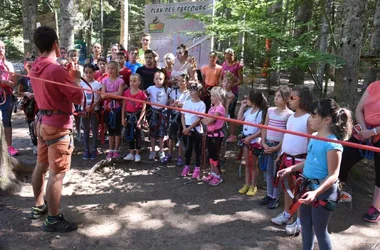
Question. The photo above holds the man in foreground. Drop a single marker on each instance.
(53, 128)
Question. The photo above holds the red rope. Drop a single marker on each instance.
(345, 143)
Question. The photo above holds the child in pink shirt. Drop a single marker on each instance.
(215, 135)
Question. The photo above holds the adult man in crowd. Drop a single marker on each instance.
(54, 128)
(148, 69)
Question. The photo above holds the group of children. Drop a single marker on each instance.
(284, 154)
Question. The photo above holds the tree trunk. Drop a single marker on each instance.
(29, 16)
(8, 180)
(323, 43)
(349, 47)
(372, 69)
(274, 75)
(89, 29)
(66, 26)
(101, 26)
(303, 16)
(124, 23)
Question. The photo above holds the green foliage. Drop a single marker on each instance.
(10, 19)
(12, 52)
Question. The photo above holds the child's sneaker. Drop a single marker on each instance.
(137, 158)
(216, 181)
(116, 155)
(281, 219)
(273, 204)
(180, 161)
(129, 157)
(94, 154)
(185, 171)
(152, 155)
(12, 151)
(244, 189)
(166, 159)
(232, 138)
(266, 200)
(293, 229)
(196, 173)
(109, 155)
(251, 191)
(373, 215)
(208, 178)
(161, 155)
(86, 155)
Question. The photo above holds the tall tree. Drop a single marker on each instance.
(29, 16)
(66, 27)
(323, 43)
(303, 16)
(349, 48)
(371, 70)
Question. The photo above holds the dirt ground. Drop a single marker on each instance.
(148, 206)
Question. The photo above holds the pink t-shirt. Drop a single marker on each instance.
(50, 96)
(131, 106)
(113, 86)
(218, 124)
(277, 121)
(234, 69)
(372, 105)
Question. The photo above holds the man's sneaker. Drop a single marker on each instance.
(86, 155)
(208, 178)
(109, 155)
(373, 215)
(251, 191)
(12, 151)
(265, 200)
(59, 225)
(129, 157)
(94, 154)
(273, 204)
(215, 181)
(152, 155)
(344, 197)
(38, 212)
(185, 171)
(293, 229)
(196, 173)
(180, 161)
(281, 219)
(161, 155)
(232, 138)
(35, 150)
(116, 155)
(244, 189)
(137, 158)
(166, 159)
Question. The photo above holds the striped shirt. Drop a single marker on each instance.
(277, 121)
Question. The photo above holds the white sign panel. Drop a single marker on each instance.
(168, 33)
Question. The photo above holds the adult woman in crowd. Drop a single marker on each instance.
(182, 66)
(114, 51)
(367, 131)
(6, 97)
(236, 69)
(96, 54)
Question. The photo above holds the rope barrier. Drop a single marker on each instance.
(344, 143)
